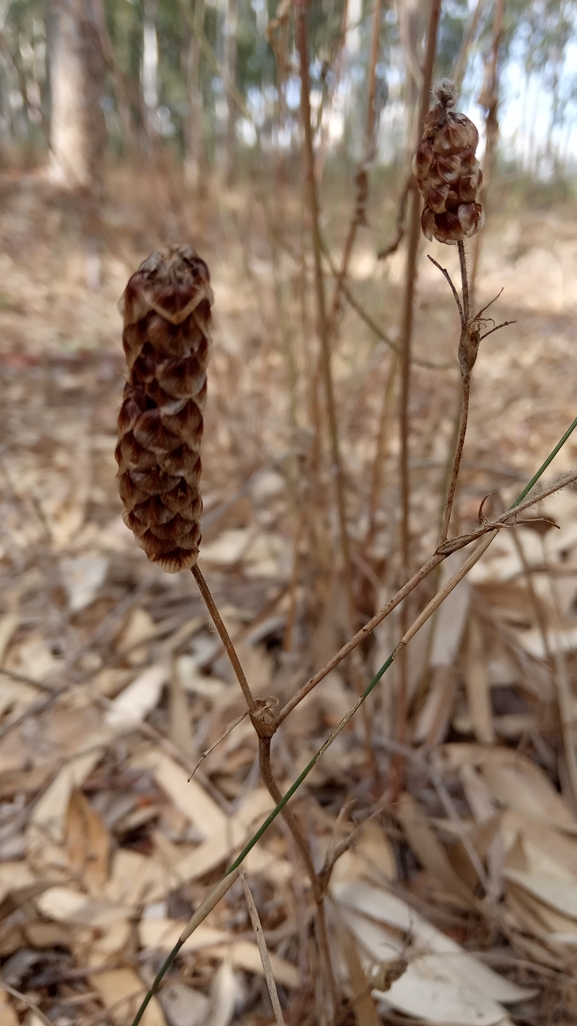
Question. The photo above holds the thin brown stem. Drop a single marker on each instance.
(324, 329)
(452, 489)
(302, 47)
(359, 213)
(264, 730)
(464, 280)
(468, 347)
(225, 638)
(300, 840)
(490, 100)
(406, 337)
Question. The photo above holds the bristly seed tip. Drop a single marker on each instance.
(446, 92)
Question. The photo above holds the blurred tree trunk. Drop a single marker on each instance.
(194, 137)
(77, 127)
(150, 67)
(413, 19)
(230, 30)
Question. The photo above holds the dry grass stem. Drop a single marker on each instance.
(263, 951)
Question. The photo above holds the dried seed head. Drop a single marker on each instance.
(447, 172)
(166, 341)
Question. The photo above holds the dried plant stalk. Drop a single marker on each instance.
(166, 341)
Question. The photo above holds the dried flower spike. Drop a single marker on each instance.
(166, 341)
(448, 173)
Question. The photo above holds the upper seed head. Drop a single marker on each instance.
(447, 171)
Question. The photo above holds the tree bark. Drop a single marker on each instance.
(77, 127)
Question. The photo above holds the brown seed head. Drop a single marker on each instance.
(166, 339)
(448, 173)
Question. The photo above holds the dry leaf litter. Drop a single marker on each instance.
(456, 905)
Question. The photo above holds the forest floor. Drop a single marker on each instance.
(450, 905)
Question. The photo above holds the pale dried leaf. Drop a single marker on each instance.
(228, 548)
(8, 1016)
(162, 935)
(452, 616)
(48, 817)
(139, 628)
(560, 894)
(182, 1005)
(82, 576)
(188, 795)
(513, 780)
(477, 794)
(428, 848)
(363, 1001)
(87, 842)
(231, 834)
(67, 906)
(477, 684)
(434, 716)
(379, 904)
(121, 992)
(138, 699)
(223, 993)
(8, 626)
(180, 725)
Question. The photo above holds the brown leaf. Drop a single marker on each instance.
(87, 842)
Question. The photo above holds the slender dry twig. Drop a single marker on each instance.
(207, 752)
(226, 640)
(324, 331)
(461, 61)
(263, 951)
(469, 341)
(322, 321)
(490, 100)
(414, 234)
(30, 1004)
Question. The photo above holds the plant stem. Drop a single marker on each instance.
(452, 489)
(265, 730)
(468, 344)
(491, 102)
(225, 638)
(405, 341)
(302, 46)
(293, 824)
(324, 332)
